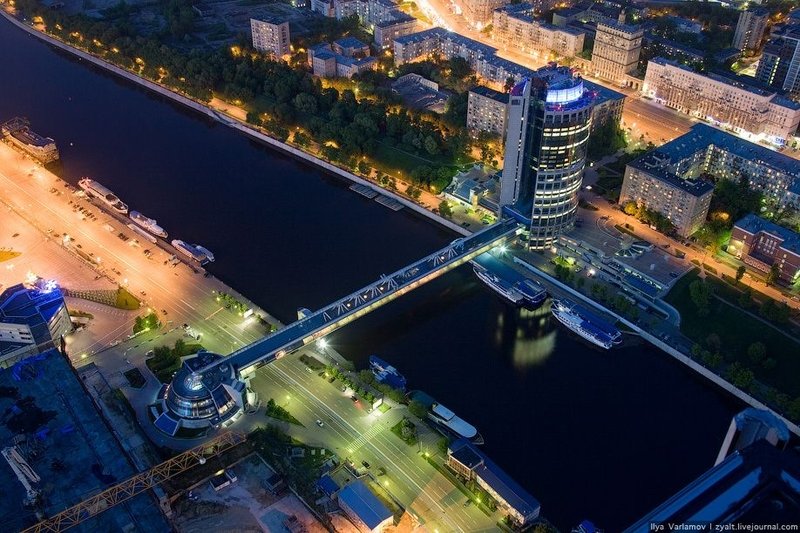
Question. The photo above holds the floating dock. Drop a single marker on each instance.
(363, 190)
(394, 205)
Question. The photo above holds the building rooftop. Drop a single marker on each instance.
(349, 42)
(655, 164)
(432, 33)
(68, 445)
(398, 18)
(490, 93)
(754, 224)
(602, 94)
(33, 305)
(701, 136)
(364, 503)
(517, 497)
(626, 28)
(759, 484)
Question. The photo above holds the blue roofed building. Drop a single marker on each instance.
(33, 317)
(363, 508)
(666, 179)
(759, 484)
(472, 464)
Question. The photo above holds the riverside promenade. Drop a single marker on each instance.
(235, 123)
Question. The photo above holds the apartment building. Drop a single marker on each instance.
(616, 51)
(271, 36)
(514, 26)
(487, 110)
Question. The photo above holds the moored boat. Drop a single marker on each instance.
(150, 224)
(97, 190)
(586, 325)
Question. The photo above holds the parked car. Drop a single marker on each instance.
(320, 423)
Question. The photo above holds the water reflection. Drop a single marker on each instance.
(525, 336)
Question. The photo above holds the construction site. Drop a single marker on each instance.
(58, 452)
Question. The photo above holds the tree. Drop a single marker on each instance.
(417, 409)
(445, 210)
(740, 273)
(757, 352)
(713, 342)
(700, 293)
(774, 274)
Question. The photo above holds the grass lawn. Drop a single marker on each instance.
(397, 429)
(737, 331)
(279, 413)
(5, 255)
(391, 160)
(126, 300)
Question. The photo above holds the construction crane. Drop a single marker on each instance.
(25, 474)
(139, 483)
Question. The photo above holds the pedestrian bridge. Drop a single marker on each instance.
(211, 390)
(387, 288)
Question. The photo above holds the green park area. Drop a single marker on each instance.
(747, 340)
(126, 300)
(166, 361)
(273, 410)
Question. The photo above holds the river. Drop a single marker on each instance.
(596, 435)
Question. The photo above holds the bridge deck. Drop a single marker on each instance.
(387, 288)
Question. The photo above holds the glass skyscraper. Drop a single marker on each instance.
(549, 117)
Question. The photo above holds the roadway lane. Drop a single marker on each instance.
(33, 192)
(352, 432)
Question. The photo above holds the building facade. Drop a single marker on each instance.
(762, 244)
(514, 26)
(750, 111)
(684, 201)
(478, 13)
(473, 465)
(363, 508)
(616, 51)
(344, 59)
(750, 29)
(549, 119)
(33, 318)
(486, 110)
(779, 66)
(385, 33)
(271, 36)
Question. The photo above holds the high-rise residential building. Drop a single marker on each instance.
(779, 66)
(486, 110)
(616, 51)
(271, 36)
(515, 27)
(549, 117)
(668, 178)
(750, 29)
(730, 103)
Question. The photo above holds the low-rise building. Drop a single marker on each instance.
(346, 58)
(748, 110)
(271, 36)
(478, 13)
(487, 110)
(608, 105)
(33, 318)
(472, 464)
(363, 508)
(762, 244)
(514, 26)
(421, 93)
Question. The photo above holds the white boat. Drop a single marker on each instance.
(97, 190)
(590, 328)
(20, 134)
(500, 286)
(149, 224)
(447, 418)
(143, 233)
(193, 251)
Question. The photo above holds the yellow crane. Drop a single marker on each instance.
(137, 484)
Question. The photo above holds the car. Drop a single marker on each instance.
(308, 369)
(192, 496)
(320, 423)
(344, 389)
(673, 275)
(366, 464)
(353, 397)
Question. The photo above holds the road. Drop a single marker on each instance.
(617, 217)
(179, 294)
(351, 432)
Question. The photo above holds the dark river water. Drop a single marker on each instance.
(604, 436)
